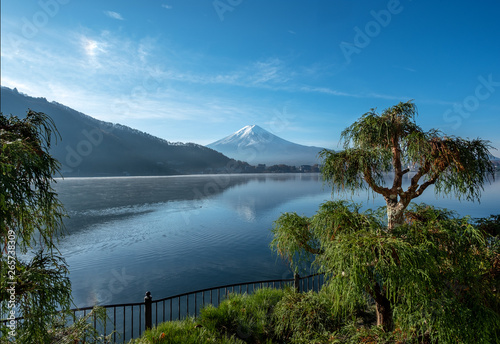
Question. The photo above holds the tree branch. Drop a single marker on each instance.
(425, 185)
(310, 249)
(396, 162)
(378, 189)
(410, 193)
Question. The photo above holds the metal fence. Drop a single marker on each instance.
(130, 320)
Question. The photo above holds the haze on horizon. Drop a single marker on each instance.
(197, 71)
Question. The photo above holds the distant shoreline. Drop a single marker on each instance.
(188, 175)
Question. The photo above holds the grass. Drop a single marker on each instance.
(186, 331)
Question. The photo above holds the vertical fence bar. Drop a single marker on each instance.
(195, 305)
(156, 313)
(296, 281)
(148, 301)
(179, 315)
(124, 327)
(140, 319)
(84, 335)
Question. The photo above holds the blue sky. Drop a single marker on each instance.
(196, 71)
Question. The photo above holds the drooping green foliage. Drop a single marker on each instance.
(28, 203)
(42, 286)
(436, 275)
(303, 318)
(30, 218)
(393, 142)
(82, 328)
(245, 317)
(186, 331)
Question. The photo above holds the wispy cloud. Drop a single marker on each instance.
(92, 47)
(406, 68)
(268, 71)
(114, 15)
(326, 90)
(168, 7)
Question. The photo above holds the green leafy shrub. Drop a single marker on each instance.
(183, 332)
(304, 318)
(248, 317)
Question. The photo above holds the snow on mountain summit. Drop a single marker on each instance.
(256, 145)
(247, 136)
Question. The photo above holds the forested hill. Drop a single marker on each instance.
(90, 147)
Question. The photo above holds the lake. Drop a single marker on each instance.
(176, 234)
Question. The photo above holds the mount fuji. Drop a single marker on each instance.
(255, 145)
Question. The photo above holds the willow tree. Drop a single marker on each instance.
(392, 142)
(434, 278)
(34, 286)
(425, 270)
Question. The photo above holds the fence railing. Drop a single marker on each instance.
(130, 320)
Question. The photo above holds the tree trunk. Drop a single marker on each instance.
(383, 310)
(395, 211)
(384, 314)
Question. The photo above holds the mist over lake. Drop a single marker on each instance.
(175, 234)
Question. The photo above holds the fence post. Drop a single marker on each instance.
(148, 312)
(296, 282)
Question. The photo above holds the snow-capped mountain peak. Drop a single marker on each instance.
(256, 145)
(247, 136)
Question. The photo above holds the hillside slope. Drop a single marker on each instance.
(90, 147)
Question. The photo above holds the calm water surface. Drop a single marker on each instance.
(175, 234)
